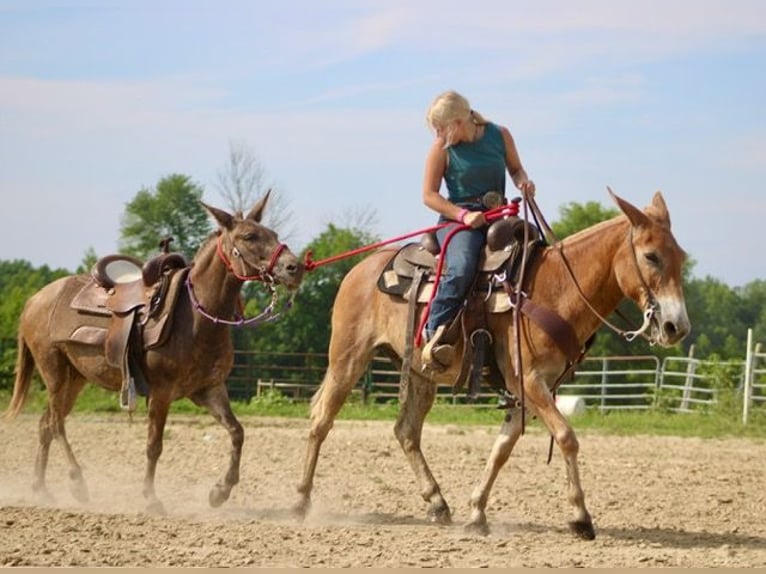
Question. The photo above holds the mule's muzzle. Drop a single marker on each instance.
(289, 270)
(669, 332)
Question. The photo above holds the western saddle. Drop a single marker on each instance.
(137, 299)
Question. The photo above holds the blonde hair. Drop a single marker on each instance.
(449, 107)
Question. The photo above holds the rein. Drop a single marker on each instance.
(651, 306)
(492, 214)
(309, 264)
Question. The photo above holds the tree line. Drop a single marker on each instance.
(720, 314)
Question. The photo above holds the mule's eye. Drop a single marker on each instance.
(652, 258)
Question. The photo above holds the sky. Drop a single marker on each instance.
(100, 99)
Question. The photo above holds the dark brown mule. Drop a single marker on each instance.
(194, 362)
(634, 256)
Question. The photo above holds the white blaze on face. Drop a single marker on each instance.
(673, 311)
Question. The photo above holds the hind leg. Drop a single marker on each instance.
(62, 395)
(501, 451)
(416, 401)
(344, 370)
(216, 400)
(158, 406)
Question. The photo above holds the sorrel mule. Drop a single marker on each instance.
(633, 255)
(194, 362)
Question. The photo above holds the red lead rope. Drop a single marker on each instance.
(491, 215)
(310, 264)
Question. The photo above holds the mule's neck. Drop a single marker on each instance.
(588, 262)
(216, 289)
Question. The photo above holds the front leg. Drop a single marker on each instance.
(564, 435)
(216, 400)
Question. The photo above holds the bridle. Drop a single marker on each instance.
(648, 312)
(263, 274)
(651, 305)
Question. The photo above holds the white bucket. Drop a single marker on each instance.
(570, 405)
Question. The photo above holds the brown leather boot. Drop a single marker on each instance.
(437, 355)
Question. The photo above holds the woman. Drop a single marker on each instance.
(471, 156)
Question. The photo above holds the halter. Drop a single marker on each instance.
(261, 274)
(265, 316)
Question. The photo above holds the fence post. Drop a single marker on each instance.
(604, 382)
(748, 377)
(688, 381)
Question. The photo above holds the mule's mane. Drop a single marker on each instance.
(596, 228)
(206, 243)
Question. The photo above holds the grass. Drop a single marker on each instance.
(725, 421)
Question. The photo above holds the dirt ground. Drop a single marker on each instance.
(656, 502)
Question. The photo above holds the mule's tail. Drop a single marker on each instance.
(25, 366)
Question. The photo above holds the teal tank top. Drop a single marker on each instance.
(474, 168)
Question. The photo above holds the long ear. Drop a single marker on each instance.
(658, 209)
(223, 218)
(635, 215)
(256, 213)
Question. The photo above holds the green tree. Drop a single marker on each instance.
(720, 317)
(18, 282)
(574, 217)
(753, 297)
(172, 209)
(88, 261)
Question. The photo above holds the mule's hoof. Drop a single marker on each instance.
(44, 495)
(79, 491)
(218, 495)
(582, 529)
(156, 508)
(479, 527)
(440, 514)
(300, 510)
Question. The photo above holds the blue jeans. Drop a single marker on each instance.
(460, 265)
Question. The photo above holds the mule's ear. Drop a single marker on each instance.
(223, 218)
(256, 213)
(658, 209)
(635, 215)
